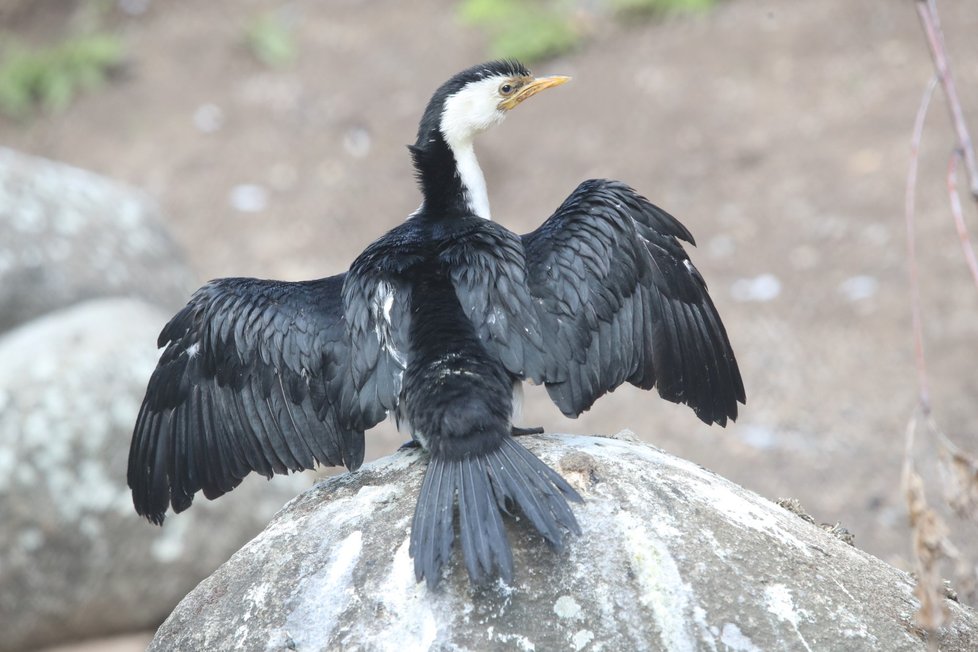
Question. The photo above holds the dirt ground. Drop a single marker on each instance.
(778, 132)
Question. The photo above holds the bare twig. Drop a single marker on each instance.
(918, 330)
(927, 10)
(931, 545)
(952, 189)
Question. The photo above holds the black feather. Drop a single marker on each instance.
(235, 387)
(485, 485)
(607, 275)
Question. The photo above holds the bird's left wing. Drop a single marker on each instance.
(601, 294)
(256, 376)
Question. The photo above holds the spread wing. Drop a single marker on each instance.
(256, 376)
(601, 294)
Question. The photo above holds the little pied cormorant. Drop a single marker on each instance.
(435, 323)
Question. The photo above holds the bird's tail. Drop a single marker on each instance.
(487, 485)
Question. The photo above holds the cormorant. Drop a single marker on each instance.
(436, 323)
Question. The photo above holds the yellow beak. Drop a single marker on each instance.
(531, 89)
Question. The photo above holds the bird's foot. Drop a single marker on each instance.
(519, 432)
(409, 445)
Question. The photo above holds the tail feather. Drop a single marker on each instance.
(432, 533)
(484, 544)
(486, 486)
(532, 490)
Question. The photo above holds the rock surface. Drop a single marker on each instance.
(672, 557)
(75, 560)
(67, 235)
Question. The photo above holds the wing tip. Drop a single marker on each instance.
(710, 415)
(156, 518)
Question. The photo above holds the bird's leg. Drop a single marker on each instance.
(409, 445)
(519, 432)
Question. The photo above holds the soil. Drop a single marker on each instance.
(777, 132)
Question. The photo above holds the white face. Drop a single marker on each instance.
(473, 110)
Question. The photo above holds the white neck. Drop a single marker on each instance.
(466, 114)
(476, 195)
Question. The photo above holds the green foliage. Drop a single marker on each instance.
(51, 77)
(530, 30)
(536, 29)
(659, 6)
(271, 40)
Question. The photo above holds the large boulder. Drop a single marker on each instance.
(75, 560)
(67, 235)
(672, 557)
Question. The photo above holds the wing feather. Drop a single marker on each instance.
(255, 376)
(600, 294)
(653, 322)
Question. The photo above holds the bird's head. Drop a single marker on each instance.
(478, 98)
(466, 105)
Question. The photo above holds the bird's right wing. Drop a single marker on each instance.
(619, 301)
(256, 376)
(601, 294)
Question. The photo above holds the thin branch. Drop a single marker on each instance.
(952, 189)
(929, 533)
(918, 329)
(909, 441)
(927, 10)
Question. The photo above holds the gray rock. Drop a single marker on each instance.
(672, 557)
(67, 235)
(75, 560)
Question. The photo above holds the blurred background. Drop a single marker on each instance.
(266, 138)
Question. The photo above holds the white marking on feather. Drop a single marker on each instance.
(193, 350)
(388, 304)
(416, 211)
(444, 368)
(421, 438)
(468, 113)
(517, 399)
(442, 374)
(382, 304)
(380, 296)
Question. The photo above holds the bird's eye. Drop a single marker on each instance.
(506, 89)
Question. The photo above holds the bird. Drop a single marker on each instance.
(437, 324)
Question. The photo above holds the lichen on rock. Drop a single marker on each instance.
(672, 557)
